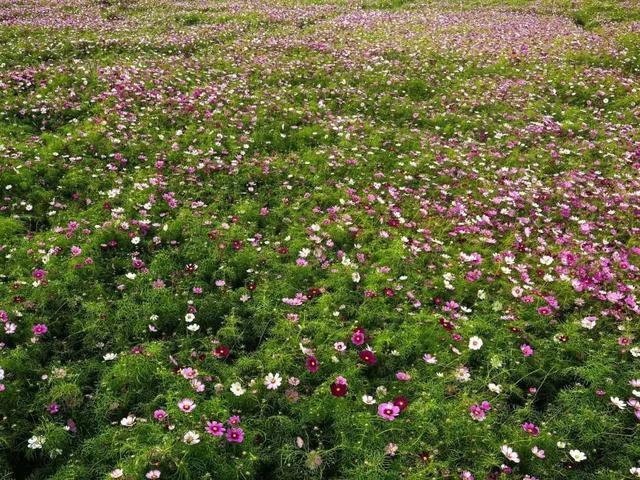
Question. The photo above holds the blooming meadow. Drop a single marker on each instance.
(368, 239)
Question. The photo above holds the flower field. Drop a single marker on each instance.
(337, 239)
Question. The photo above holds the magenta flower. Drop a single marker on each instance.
(39, 329)
(531, 428)
(477, 413)
(39, 274)
(312, 364)
(527, 351)
(215, 428)
(358, 336)
(160, 415)
(235, 435)
(388, 411)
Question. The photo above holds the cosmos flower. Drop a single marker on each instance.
(388, 411)
(160, 415)
(237, 389)
(312, 364)
(475, 343)
(577, 455)
(187, 405)
(128, 421)
(39, 329)
(531, 429)
(235, 435)
(36, 442)
(510, 454)
(215, 428)
(272, 382)
(537, 452)
(191, 438)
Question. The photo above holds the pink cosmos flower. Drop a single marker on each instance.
(391, 449)
(215, 428)
(39, 274)
(358, 337)
(189, 373)
(388, 411)
(477, 413)
(160, 415)
(430, 359)
(235, 435)
(39, 329)
(537, 452)
(187, 405)
(531, 428)
(527, 351)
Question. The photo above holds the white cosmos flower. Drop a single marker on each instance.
(368, 399)
(272, 382)
(588, 322)
(110, 356)
(475, 343)
(128, 421)
(36, 442)
(191, 438)
(546, 260)
(495, 388)
(117, 473)
(577, 455)
(236, 389)
(618, 403)
(194, 327)
(508, 452)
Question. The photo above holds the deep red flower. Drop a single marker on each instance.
(368, 357)
(338, 389)
(447, 324)
(312, 364)
(401, 402)
(221, 351)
